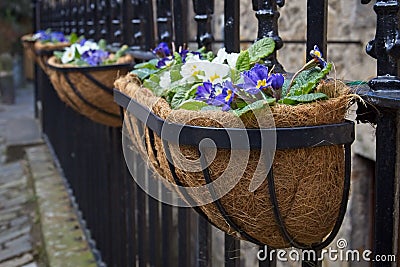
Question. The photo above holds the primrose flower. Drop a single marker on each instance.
(276, 81)
(255, 79)
(222, 55)
(94, 57)
(69, 54)
(162, 50)
(225, 98)
(41, 36)
(164, 62)
(219, 95)
(165, 80)
(57, 37)
(86, 46)
(317, 55)
(205, 92)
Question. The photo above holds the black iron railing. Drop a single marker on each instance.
(130, 228)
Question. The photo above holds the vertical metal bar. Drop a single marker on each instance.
(154, 227)
(167, 229)
(136, 36)
(180, 10)
(232, 22)
(386, 132)
(204, 236)
(317, 25)
(90, 31)
(141, 207)
(267, 15)
(232, 251)
(204, 10)
(147, 24)
(115, 23)
(81, 19)
(164, 20)
(184, 237)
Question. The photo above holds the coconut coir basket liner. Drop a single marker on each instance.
(41, 52)
(308, 181)
(88, 90)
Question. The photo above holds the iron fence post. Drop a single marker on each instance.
(267, 14)
(385, 95)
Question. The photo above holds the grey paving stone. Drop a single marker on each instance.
(9, 253)
(13, 233)
(20, 221)
(24, 261)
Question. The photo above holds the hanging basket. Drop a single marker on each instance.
(88, 90)
(303, 200)
(41, 52)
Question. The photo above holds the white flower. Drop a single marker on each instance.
(68, 55)
(88, 45)
(205, 71)
(222, 55)
(215, 72)
(165, 80)
(232, 59)
(190, 70)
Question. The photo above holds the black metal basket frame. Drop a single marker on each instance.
(287, 138)
(86, 70)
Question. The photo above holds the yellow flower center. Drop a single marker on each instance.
(214, 77)
(228, 96)
(261, 83)
(317, 53)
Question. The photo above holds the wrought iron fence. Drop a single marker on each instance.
(129, 228)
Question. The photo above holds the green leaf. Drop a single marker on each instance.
(210, 56)
(306, 98)
(257, 105)
(262, 48)
(176, 74)
(144, 73)
(153, 83)
(179, 96)
(208, 108)
(73, 38)
(307, 80)
(243, 61)
(102, 44)
(178, 58)
(192, 104)
(58, 54)
(151, 64)
(183, 93)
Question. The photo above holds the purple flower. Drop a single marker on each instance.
(255, 79)
(42, 36)
(162, 50)
(205, 92)
(317, 55)
(219, 95)
(57, 37)
(163, 62)
(226, 97)
(82, 42)
(276, 81)
(94, 57)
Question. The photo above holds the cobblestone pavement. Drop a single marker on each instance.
(17, 212)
